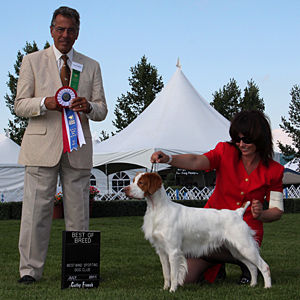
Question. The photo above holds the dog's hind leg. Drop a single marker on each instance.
(250, 257)
(164, 260)
(251, 267)
(265, 271)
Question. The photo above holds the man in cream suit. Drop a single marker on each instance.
(42, 145)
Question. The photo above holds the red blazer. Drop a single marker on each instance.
(234, 186)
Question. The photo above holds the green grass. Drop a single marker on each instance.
(132, 270)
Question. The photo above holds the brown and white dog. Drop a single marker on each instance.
(177, 231)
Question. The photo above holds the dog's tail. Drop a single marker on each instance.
(242, 209)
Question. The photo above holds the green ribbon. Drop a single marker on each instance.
(75, 79)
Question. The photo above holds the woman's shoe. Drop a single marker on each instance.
(244, 279)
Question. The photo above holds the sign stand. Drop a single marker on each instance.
(80, 259)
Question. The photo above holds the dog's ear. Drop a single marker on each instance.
(154, 183)
(136, 176)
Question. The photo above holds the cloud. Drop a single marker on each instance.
(280, 135)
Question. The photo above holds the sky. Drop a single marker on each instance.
(215, 40)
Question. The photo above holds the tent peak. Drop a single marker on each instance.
(178, 64)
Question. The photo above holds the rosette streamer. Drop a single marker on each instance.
(71, 124)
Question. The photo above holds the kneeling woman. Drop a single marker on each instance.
(245, 172)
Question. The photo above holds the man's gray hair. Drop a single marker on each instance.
(68, 13)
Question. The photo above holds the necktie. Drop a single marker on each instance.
(65, 71)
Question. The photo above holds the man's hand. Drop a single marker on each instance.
(51, 104)
(80, 104)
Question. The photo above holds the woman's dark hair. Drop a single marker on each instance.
(255, 125)
(68, 13)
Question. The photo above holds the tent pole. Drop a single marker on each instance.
(203, 178)
(107, 178)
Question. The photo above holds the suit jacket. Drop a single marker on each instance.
(42, 144)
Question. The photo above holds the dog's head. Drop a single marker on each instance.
(144, 184)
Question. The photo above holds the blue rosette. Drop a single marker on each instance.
(65, 95)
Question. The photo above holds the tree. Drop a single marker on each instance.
(103, 135)
(16, 128)
(226, 100)
(292, 128)
(145, 84)
(251, 98)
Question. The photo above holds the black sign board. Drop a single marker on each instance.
(80, 259)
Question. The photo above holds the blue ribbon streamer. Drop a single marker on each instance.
(72, 128)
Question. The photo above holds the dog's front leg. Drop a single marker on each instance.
(164, 259)
(178, 267)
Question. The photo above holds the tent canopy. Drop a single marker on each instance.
(9, 151)
(178, 121)
(11, 173)
(291, 176)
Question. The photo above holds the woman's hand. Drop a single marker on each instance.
(159, 157)
(266, 216)
(256, 209)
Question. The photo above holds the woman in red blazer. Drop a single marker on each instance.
(245, 172)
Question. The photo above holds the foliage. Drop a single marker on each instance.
(4, 211)
(145, 84)
(58, 199)
(131, 268)
(17, 126)
(292, 128)
(226, 100)
(251, 99)
(103, 135)
(229, 100)
(125, 208)
(93, 192)
(170, 180)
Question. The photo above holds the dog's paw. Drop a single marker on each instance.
(166, 287)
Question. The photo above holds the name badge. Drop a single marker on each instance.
(77, 66)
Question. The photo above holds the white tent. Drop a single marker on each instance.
(11, 173)
(179, 120)
(291, 166)
(9, 151)
(291, 175)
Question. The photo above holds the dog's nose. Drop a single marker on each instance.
(126, 189)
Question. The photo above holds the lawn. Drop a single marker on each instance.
(131, 268)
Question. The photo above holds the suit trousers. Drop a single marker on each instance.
(40, 185)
